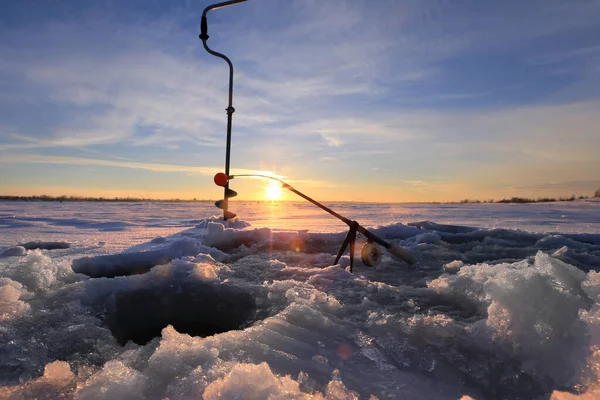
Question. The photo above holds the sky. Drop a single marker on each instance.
(387, 101)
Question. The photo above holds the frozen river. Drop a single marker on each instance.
(163, 300)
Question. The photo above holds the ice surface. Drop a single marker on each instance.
(491, 310)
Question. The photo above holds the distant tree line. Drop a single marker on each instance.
(145, 199)
(85, 198)
(527, 200)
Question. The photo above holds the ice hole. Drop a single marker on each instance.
(196, 308)
(37, 244)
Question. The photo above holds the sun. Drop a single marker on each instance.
(273, 191)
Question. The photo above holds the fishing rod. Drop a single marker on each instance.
(370, 253)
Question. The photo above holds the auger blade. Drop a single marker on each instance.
(229, 193)
(230, 215)
(227, 214)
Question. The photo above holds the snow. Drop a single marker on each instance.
(504, 302)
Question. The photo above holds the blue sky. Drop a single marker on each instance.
(348, 100)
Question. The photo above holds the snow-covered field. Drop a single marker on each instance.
(504, 302)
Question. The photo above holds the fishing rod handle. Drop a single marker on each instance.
(402, 254)
(394, 250)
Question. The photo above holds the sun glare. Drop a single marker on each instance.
(273, 191)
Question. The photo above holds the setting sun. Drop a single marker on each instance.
(273, 191)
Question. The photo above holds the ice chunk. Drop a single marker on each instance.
(14, 251)
(205, 271)
(532, 311)
(38, 271)
(57, 382)
(592, 394)
(560, 252)
(432, 226)
(253, 382)
(115, 381)
(58, 373)
(10, 305)
(337, 391)
(429, 237)
(453, 266)
(134, 263)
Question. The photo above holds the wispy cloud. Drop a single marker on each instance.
(332, 141)
(204, 170)
(417, 183)
(155, 167)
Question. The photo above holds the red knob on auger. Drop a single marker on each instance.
(221, 179)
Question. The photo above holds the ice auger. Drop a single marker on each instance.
(370, 253)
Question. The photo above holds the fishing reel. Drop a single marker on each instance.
(370, 254)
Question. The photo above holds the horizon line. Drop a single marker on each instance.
(71, 198)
